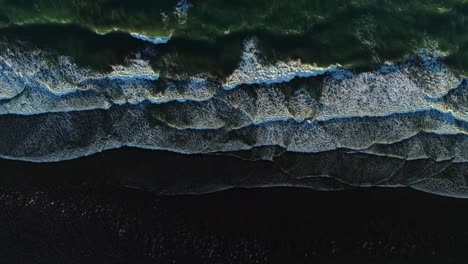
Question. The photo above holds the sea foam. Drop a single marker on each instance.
(252, 71)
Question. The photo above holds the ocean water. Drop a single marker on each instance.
(326, 81)
(220, 131)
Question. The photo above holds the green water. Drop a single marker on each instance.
(356, 34)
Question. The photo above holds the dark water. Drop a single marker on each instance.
(86, 47)
(363, 33)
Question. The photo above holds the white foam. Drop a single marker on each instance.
(11, 84)
(35, 81)
(154, 40)
(252, 71)
(136, 69)
(138, 35)
(390, 89)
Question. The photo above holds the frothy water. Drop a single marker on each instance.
(53, 109)
(154, 40)
(253, 71)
